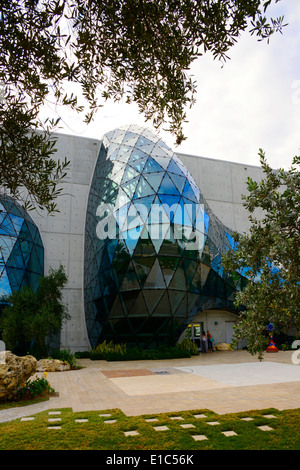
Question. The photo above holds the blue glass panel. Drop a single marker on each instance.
(188, 192)
(143, 189)
(143, 141)
(154, 179)
(137, 155)
(152, 166)
(206, 221)
(179, 181)
(174, 168)
(167, 186)
(5, 288)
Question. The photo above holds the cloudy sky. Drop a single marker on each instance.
(252, 102)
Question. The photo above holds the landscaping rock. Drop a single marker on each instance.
(224, 347)
(14, 372)
(52, 365)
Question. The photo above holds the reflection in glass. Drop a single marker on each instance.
(146, 286)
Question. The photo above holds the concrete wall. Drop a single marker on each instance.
(221, 183)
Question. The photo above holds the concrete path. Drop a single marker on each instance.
(223, 381)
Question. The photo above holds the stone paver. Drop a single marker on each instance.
(222, 388)
(229, 433)
(161, 428)
(199, 437)
(131, 433)
(265, 428)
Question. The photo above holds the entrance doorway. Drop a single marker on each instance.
(195, 332)
(229, 331)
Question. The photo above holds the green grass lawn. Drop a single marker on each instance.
(96, 434)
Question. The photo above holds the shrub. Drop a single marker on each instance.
(188, 345)
(103, 349)
(120, 352)
(64, 355)
(35, 388)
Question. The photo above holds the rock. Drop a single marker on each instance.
(52, 365)
(224, 347)
(14, 371)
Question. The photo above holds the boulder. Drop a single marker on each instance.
(52, 365)
(223, 347)
(14, 371)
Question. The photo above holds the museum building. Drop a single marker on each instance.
(140, 232)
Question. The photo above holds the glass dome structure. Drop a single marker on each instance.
(152, 246)
(21, 249)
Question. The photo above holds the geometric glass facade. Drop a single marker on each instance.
(153, 247)
(21, 249)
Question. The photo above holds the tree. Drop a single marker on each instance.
(269, 256)
(140, 50)
(35, 317)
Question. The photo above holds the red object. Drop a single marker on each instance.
(271, 346)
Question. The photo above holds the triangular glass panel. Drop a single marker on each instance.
(138, 165)
(168, 187)
(144, 245)
(188, 192)
(17, 223)
(124, 157)
(130, 135)
(152, 166)
(178, 281)
(174, 168)
(130, 279)
(196, 191)
(7, 244)
(143, 141)
(163, 161)
(157, 214)
(137, 155)
(163, 307)
(170, 204)
(179, 181)
(143, 266)
(129, 174)
(130, 187)
(117, 309)
(206, 221)
(131, 238)
(159, 152)
(155, 278)
(168, 266)
(154, 179)
(182, 309)
(152, 297)
(158, 233)
(139, 308)
(133, 218)
(143, 189)
(128, 299)
(175, 299)
(143, 206)
(122, 199)
(121, 215)
(5, 288)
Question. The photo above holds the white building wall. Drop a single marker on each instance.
(221, 183)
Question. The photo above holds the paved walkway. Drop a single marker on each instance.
(223, 382)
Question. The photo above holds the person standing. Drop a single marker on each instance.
(209, 341)
(204, 342)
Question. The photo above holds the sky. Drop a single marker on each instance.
(252, 102)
